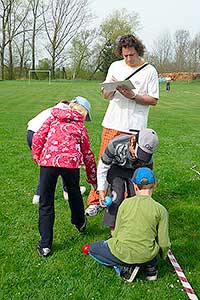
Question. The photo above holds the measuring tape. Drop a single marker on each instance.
(189, 290)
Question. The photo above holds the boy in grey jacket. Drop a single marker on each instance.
(123, 155)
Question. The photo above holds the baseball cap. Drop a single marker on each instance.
(143, 176)
(84, 102)
(146, 144)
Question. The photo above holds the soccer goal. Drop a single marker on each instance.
(40, 75)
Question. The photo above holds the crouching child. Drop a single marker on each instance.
(140, 234)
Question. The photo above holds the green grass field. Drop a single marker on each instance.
(68, 274)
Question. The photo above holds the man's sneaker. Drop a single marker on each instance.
(36, 199)
(83, 227)
(152, 273)
(82, 189)
(43, 251)
(129, 273)
(93, 210)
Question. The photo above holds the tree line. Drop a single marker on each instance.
(62, 32)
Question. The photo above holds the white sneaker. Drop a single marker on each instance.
(82, 189)
(65, 195)
(36, 199)
(129, 273)
(152, 277)
(93, 210)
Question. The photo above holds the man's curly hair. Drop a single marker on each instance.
(128, 41)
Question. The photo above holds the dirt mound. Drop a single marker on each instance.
(181, 75)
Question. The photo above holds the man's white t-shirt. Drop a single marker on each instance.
(124, 114)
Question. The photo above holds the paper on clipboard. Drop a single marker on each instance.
(111, 86)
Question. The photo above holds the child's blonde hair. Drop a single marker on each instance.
(78, 107)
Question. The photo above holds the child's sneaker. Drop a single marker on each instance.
(83, 227)
(82, 189)
(152, 273)
(129, 273)
(43, 251)
(36, 199)
(65, 195)
(93, 210)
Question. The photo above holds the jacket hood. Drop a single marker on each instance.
(66, 115)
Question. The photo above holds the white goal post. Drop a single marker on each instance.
(39, 71)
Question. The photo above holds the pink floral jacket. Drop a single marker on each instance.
(63, 142)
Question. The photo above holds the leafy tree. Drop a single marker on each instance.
(120, 22)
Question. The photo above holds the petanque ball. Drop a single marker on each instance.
(107, 201)
(86, 248)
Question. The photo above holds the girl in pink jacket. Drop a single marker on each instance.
(60, 147)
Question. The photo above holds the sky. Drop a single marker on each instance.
(156, 16)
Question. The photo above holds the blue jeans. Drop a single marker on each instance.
(100, 252)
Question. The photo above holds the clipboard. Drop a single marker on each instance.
(111, 86)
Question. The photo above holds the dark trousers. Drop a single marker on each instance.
(120, 182)
(29, 138)
(118, 188)
(48, 180)
(100, 252)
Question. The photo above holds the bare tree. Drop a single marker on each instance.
(162, 52)
(22, 50)
(5, 10)
(182, 42)
(62, 21)
(37, 24)
(13, 15)
(195, 54)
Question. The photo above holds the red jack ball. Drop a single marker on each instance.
(86, 248)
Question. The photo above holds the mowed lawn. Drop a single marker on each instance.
(68, 274)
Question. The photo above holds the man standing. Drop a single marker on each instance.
(128, 108)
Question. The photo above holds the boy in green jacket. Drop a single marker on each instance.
(140, 234)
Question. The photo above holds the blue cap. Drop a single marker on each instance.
(84, 102)
(143, 176)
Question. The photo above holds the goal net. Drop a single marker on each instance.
(44, 75)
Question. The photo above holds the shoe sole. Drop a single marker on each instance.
(152, 278)
(42, 255)
(83, 228)
(35, 203)
(94, 214)
(133, 275)
(90, 215)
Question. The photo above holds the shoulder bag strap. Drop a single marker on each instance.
(136, 71)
